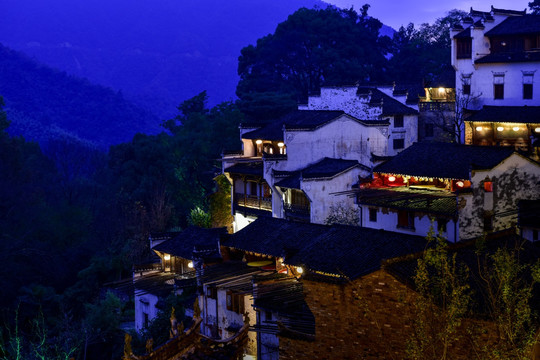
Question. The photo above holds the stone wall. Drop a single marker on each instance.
(369, 318)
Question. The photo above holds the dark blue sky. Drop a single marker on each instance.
(395, 13)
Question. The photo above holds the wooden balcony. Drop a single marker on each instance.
(436, 106)
(253, 201)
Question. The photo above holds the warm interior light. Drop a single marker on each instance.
(460, 184)
(516, 128)
(166, 257)
(190, 265)
(500, 128)
(280, 144)
(478, 128)
(258, 142)
(441, 90)
(537, 130)
(391, 178)
(299, 270)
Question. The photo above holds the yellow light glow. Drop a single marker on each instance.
(299, 270)
(391, 178)
(537, 130)
(166, 257)
(258, 142)
(460, 184)
(478, 128)
(280, 144)
(500, 128)
(516, 128)
(190, 265)
(441, 90)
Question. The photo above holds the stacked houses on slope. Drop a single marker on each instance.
(317, 290)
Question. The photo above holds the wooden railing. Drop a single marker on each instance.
(253, 201)
(436, 106)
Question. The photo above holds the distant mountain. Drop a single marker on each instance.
(44, 103)
(157, 52)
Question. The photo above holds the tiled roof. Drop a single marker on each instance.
(234, 275)
(517, 25)
(246, 168)
(390, 106)
(183, 244)
(444, 160)
(524, 56)
(404, 198)
(274, 237)
(511, 114)
(299, 119)
(353, 251)
(348, 251)
(464, 34)
(325, 168)
(159, 284)
(529, 213)
(508, 11)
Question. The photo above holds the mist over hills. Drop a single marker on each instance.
(44, 103)
(158, 53)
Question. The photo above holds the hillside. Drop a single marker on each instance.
(42, 103)
(158, 53)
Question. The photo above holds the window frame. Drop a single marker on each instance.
(373, 214)
(399, 121)
(399, 146)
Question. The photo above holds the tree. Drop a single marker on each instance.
(423, 55)
(535, 7)
(344, 215)
(444, 299)
(313, 47)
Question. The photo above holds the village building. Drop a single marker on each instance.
(496, 56)
(295, 166)
(175, 270)
(461, 190)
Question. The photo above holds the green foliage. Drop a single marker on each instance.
(199, 217)
(340, 214)
(444, 299)
(535, 7)
(509, 286)
(311, 48)
(220, 203)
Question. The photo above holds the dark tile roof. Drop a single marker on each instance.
(444, 160)
(477, 13)
(529, 213)
(353, 251)
(429, 201)
(517, 25)
(511, 114)
(479, 24)
(390, 106)
(325, 168)
(184, 243)
(465, 34)
(274, 237)
(233, 275)
(299, 119)
(246, 168)
(348, 251)
(159, 284)
(508, 11)
(510, 57)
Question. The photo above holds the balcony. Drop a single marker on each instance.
(436, 106)
(253, 201)
(298, 212)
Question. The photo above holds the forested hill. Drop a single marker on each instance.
(157, 52)
(42, 103)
